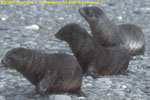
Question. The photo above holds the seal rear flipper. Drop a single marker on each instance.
(124, 72)
(133, 37)
(78, 93)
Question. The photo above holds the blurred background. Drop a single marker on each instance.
(34, 26)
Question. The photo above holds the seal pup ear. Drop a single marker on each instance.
(90, 12)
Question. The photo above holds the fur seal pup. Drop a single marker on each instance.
(93, 58)
(107, 34)
(50, 73)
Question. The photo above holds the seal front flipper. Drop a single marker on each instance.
(92, 70)
(45, 84)
(126, 72)
(78, 93)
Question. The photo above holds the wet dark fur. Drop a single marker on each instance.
(92, 57)
(108, 34)
(50, 73)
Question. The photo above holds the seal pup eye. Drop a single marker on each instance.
(89, 13)
(11, 58)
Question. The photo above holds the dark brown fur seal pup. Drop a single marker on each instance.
(50, 73)
(93, 58)
(110, 35)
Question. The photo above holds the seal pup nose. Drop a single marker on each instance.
(81, 11)
(2, 62)
(56, 35)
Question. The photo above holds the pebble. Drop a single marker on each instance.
(104, 80)
(14, 38)
(148, 73)
(3, 17)
(2, 84)
(60, 97)
(7, 36)
(124, 86)
(32, 27)
(26, 34)
(120, 17)
(81, 98)
(61, 18)
(89, 78)
(2, 98)
(88, 85)
(118, 91)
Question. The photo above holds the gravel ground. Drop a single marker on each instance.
(34, 26)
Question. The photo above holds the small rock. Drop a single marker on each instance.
(111, 4)
(146, 90)
(124, 86)
(25, 34)
(3, 17)
(0, 51)
(147, 9)
(147, 79)
(89, 85)
(108, 94)
(104, 80)
(2, 85)
(32, 27)
(89, 77)
(120, 17)
(16, 45)
(60, 97)
(7, 36)
(30, 43)
(2, 98)
(134, 57)
(137, 12)
(61, 18)
(47, 46)
(81, 98)
(148, 73)
(14, 38)
(126, 98)
(118, 91)
(135, 95)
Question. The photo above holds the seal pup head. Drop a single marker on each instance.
(91, 14)
(70, 31)
(13, 58)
